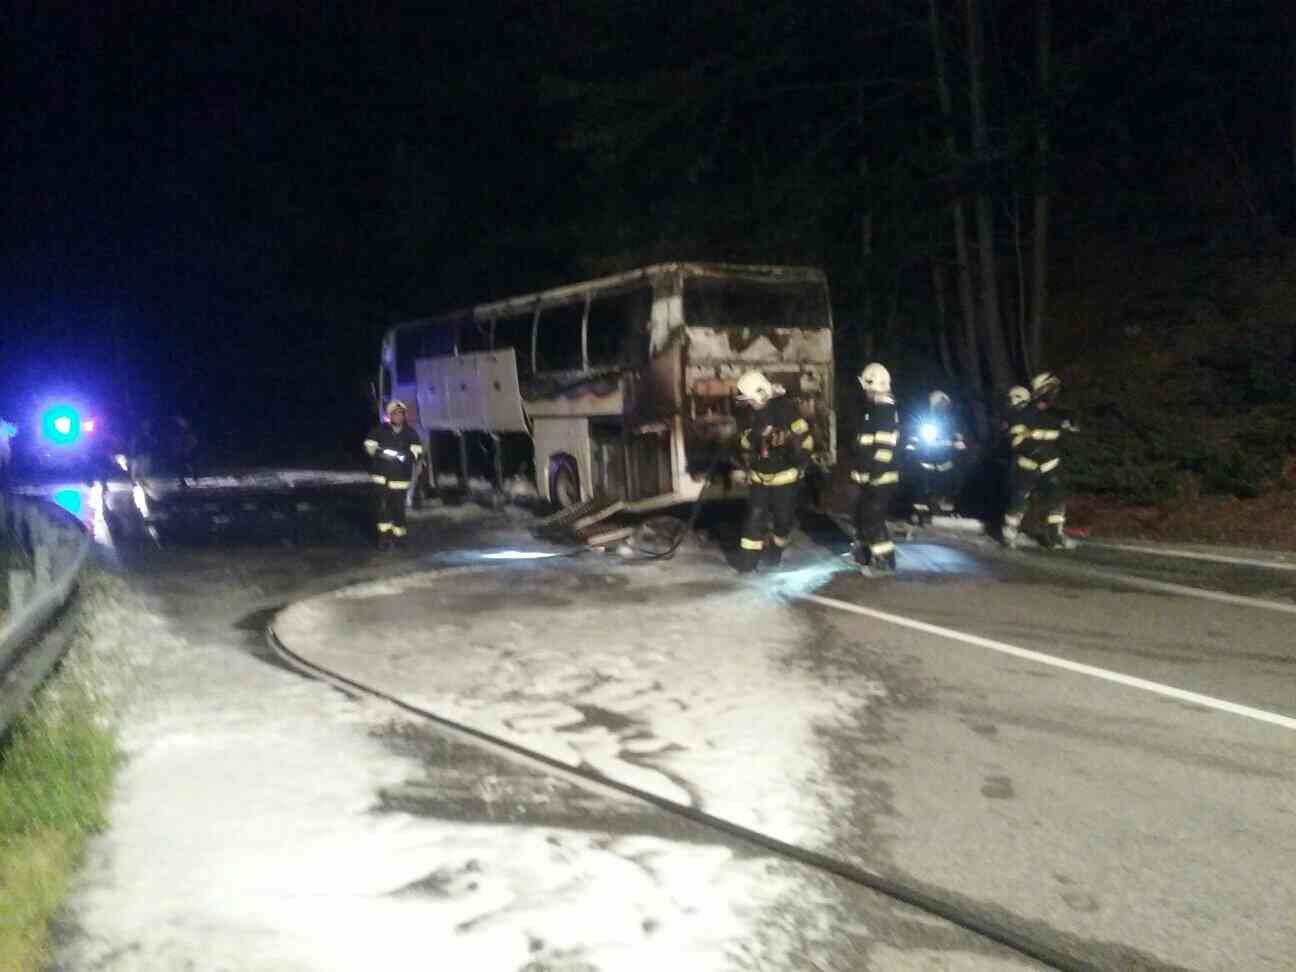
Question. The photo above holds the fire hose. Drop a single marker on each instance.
(978, 921)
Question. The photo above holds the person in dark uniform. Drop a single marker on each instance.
(393, 449)
(934, 448)
(1036, 431)
(775, 443)
(875, 471)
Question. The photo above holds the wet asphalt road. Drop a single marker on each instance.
(1133, 830)
(222, 582)
(1142, 829)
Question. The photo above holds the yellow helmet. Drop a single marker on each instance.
(1018, 395)
(395, 405)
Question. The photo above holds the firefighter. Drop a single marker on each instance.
(875, 470)
(775, 443)
(393, 449)
(1035, 430)
(934, 448)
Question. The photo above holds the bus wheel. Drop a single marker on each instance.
(564, 482)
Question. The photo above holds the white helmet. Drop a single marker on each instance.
(875, 380)
(754, 389)
(394, 405)
(1018, 396)
(938, 399)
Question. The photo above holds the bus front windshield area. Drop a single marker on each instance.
(726, 302)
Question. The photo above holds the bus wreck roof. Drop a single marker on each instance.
(558, 295)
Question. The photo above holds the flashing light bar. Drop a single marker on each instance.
(61, 424)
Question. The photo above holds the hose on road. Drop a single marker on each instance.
(979, 923)
(680, 533)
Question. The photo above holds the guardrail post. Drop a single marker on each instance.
(35, 596)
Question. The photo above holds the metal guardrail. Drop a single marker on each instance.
(55, 545)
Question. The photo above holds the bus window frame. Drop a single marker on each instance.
(640, 356)
(523, 351)
(589, 299)
(535, 336)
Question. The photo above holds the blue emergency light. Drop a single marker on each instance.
(61, 424)
(70, 500)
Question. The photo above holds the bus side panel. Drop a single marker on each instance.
(477, 392)
(562, 436)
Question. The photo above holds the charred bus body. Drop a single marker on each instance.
(620, 386)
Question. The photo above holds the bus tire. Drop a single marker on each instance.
(564, 482)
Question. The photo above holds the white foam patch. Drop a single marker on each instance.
(243, 835)
(694, 703)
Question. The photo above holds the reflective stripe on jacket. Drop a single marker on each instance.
(776, 442)
(1036, 435)
(874, 460)
(392, 455)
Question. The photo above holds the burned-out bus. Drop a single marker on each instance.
(622, 386)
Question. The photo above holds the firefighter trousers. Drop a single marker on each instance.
(935, 489)
(1048, 490)
(873, 544)
(770, 510)
(389, 507)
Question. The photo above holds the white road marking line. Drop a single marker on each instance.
(1223, 705)
(1192, 555)
(1204, 593)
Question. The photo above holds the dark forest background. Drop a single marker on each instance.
(218, 213)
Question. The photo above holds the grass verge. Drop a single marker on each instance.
(56, 772)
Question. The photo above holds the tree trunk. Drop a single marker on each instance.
(940, 329)
(866, 263)
(1039, 238)
(992, 322)
(1021, 312)
(968, 348)
(1291, 67)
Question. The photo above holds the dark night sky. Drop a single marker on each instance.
(228, 208)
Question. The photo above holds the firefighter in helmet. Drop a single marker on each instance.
(393, 449)
(933, 449)
(775, 444)
(875, 470)
(1035, 430)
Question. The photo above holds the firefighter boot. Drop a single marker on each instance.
(747, 560)
(1055, 538)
